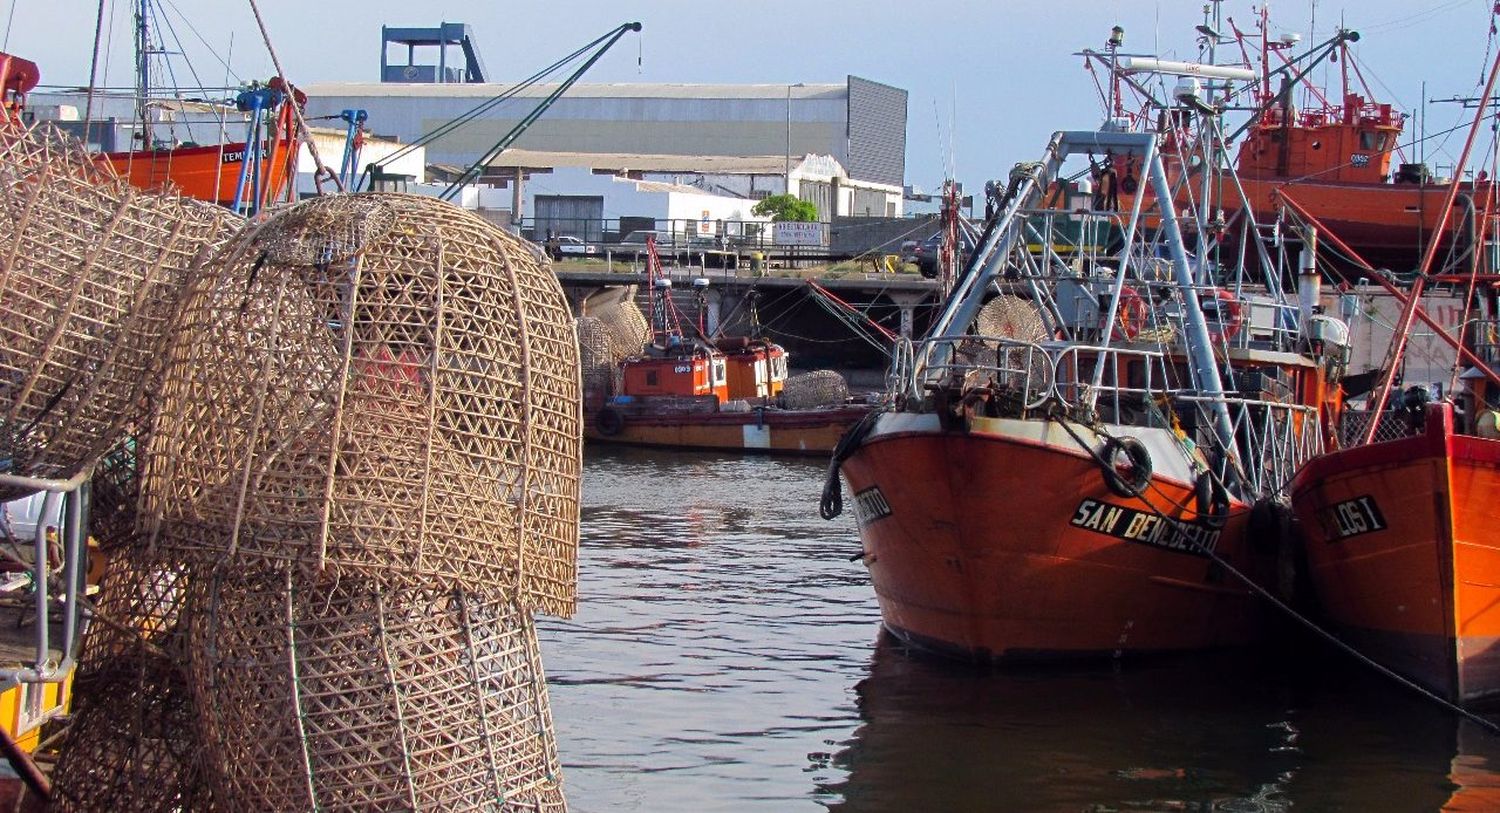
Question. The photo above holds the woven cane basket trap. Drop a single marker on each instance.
(352, 696)
(626, 324)
(818, 388)
(376, 386)
(596, 357)
(90, 276)
(133, 743)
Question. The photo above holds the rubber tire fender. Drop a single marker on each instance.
(1210, 500)
(1134, 484)
(609, 422)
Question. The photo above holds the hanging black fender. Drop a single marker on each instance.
(609, 422)
(1210, 500)
(1131, 480)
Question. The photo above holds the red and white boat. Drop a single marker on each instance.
(1089, 494)
(686, 391)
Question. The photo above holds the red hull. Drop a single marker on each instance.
(988, 547)
(205, 173)
(1403, 548)
(772, 431)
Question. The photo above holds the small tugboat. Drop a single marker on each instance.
(1400, 519)
(1091, 493)
(686, 390)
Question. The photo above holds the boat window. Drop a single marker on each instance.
(650, 378)
(1369, 140)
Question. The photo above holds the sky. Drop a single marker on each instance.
(988, 81)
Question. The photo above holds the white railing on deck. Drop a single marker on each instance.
(1272, 439)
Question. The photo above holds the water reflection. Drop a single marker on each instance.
(725, 657)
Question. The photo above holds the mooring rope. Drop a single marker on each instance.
(1313, 626)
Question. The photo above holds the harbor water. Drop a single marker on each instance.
(727, 655)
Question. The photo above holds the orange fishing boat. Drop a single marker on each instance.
(1336, 156)
(1088, 490)
(688, 391)
(17, 78)
(243, 175)
(1403, 553)
(1401, 521)
(697, 396)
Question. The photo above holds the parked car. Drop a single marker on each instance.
(634, 243)
(926, 254)
(568, 245)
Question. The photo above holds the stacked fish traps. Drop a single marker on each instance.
(90, 275)
(357, 480)
(596, 356)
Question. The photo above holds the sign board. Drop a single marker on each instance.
(799, 234)
(705, 227)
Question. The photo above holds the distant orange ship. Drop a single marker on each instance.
(688, 392)
(1335, 157)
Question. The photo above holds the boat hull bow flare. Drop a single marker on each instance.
(1401, 553)
(970, 558)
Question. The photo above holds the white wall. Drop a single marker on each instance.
(331, 150)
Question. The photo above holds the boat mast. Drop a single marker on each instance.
(143, 71)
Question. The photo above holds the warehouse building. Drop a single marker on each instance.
(841, 146)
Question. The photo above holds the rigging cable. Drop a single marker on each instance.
(323, 172)
(88, 105)
(1290, 611)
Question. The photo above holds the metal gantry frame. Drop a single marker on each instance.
(72, 535)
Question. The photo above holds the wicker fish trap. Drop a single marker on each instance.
(90, 276)
(351, 696)
(627, 325)
(596, 356)
(819, 388)
(132, 744)
(1010, 363)
(376, 385)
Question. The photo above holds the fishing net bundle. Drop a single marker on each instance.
(818, 388)
(91, 272)
(375, 385)
(629, 329)
(351, 695)
(596, 357)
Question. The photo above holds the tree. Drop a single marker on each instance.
(787, 207)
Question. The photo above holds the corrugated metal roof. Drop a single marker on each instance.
(627, 162)
(622, 90)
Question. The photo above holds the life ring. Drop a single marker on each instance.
(1130, 316)
(1131, 478)
(609, 422)
(1210, 500)
(1230, 317)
